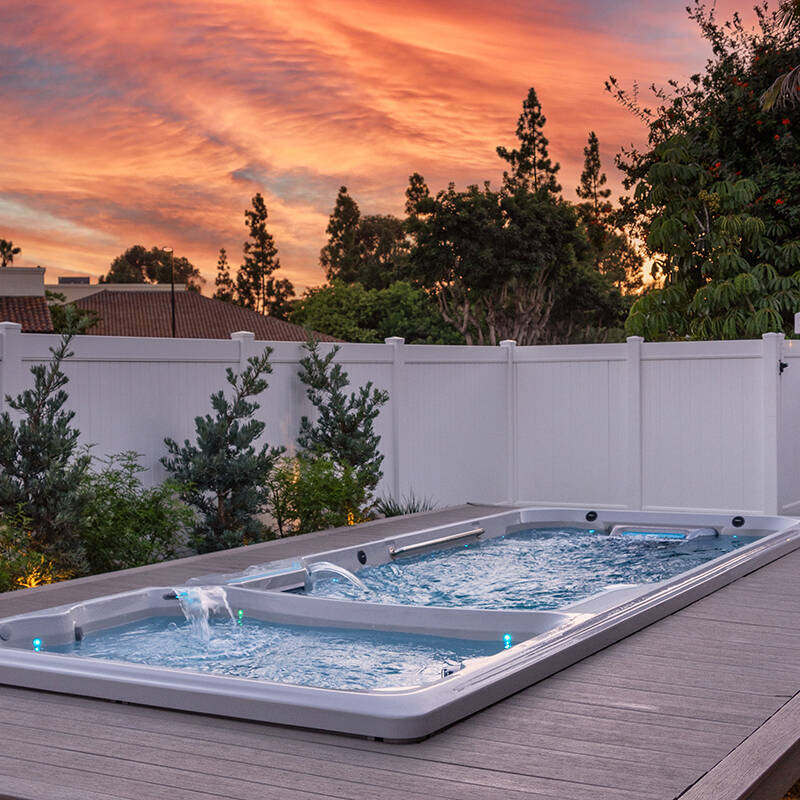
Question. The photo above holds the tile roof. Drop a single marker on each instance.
(30, 312)
(132, 313)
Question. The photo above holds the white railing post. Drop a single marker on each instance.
(512, 478)
(634, 460)
(771, 351)
(395, 401)
(11, 364)
(243, 338)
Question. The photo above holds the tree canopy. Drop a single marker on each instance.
(370, 250)
(714, 194)
(356, 314)
(7, 252)
(140, 265)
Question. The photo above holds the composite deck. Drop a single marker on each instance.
(703, 705)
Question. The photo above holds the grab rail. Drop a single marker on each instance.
(394, 552)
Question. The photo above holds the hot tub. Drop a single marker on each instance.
(267, 644)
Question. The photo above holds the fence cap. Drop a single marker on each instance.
(10, 327)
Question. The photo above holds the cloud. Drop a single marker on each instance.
(132, 121)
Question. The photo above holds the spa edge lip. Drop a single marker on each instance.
(544, 641)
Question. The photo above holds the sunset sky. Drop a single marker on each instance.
(131, 121)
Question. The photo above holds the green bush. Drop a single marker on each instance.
(126, 525)
(223, 475)
(311, 494)
(408, 504)
(20, 565)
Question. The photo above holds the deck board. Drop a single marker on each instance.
(684, 703)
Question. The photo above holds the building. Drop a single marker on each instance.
(136, 309)
(22, 299)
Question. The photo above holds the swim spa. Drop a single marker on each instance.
(299, 642)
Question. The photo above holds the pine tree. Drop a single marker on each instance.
(531, 167)
(341, 257)
(224, 476)
(592, 179)
(42, 469)
(343, 430)
(256, 286)
(225, 286)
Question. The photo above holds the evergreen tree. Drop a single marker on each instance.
(256, 284)
(340, 258)
(592, 179)
(369, 250)
(613, 255)
(223, 475)
(343, 430)
(7, 252)
(42, 470)
(531, 167)
(225, 286)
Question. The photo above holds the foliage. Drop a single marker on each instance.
(256, 284)
(223, 475)
(368, 250)
(509, 265)
(310, 494)
(343, 430)
(408, 504)
(7, 252)
(356, 314)
(68, 317)
(613, 255)
(531, 167)
(127, 525)
(140, 265)
(226, 288)
(22, 567)
(785, 90)
(42, 470)
(714, 194)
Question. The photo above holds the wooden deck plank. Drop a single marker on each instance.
(749, 766)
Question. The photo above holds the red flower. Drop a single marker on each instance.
(779, 202)
(785, 121)
(759, 122)
(777, 138)
(739, 172)
(738, 108)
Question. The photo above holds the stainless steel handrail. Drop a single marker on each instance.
(411, 548)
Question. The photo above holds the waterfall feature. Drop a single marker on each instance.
(199, 603)
(320, 568)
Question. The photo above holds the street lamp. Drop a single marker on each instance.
(172, 283)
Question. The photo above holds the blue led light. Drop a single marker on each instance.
(37, 645)
(508, 640)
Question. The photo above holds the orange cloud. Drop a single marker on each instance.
(132, 121)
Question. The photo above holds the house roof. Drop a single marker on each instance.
(133, 313)
(30, 312)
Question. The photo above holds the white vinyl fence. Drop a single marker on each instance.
(682, 426)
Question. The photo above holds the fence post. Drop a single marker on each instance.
(512, 478)
(396, 399)
(771, 351)
(633, 372)
(11, 365)
(243, 338)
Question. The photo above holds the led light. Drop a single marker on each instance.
(508, 640)
(37, 645)
(239, 616)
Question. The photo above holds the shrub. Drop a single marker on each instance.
(409, 504)
(223, 475)
(126, 525)
(20, 565)
(42, 468)
(343, 430)
(311, 494)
